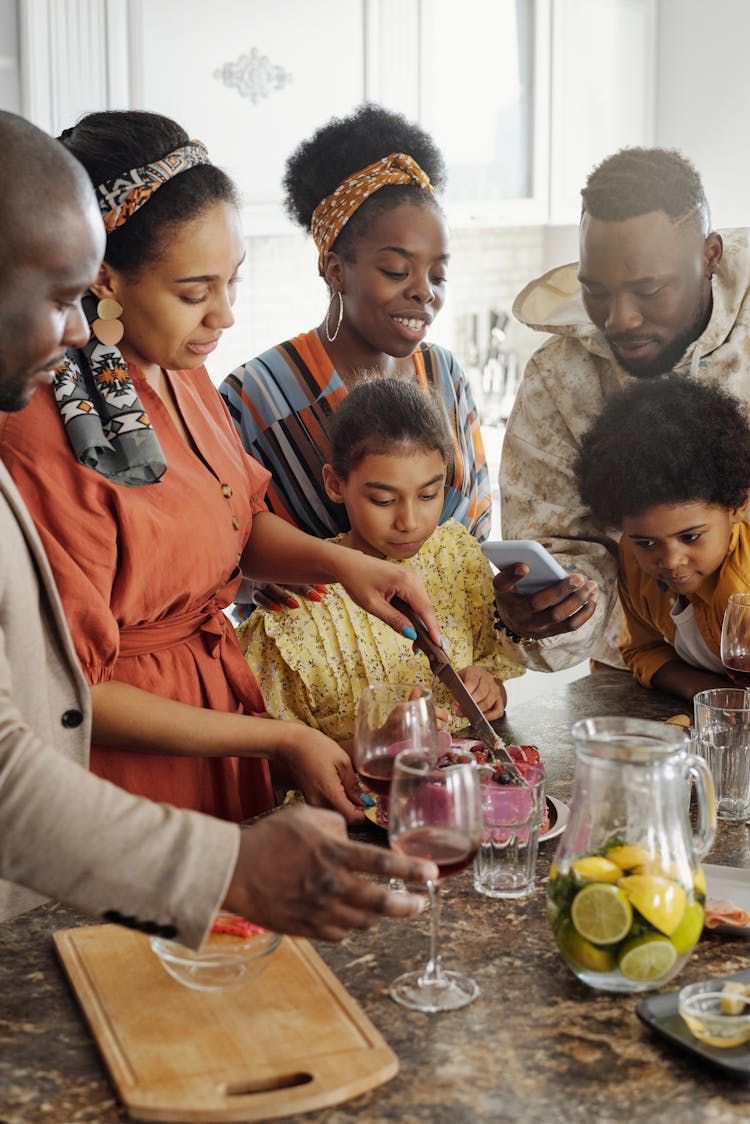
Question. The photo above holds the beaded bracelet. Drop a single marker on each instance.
(500, 626)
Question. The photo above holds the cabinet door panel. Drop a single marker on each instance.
(250, 80)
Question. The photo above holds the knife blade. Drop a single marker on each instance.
(447, 674)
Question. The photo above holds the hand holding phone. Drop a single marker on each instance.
(543, 569)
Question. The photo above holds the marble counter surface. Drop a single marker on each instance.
(536, 1046)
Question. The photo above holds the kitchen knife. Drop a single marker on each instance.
(447, 674)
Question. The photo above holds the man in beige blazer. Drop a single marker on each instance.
(63, 831)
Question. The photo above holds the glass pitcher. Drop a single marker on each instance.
(626, 890)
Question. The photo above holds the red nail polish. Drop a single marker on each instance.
(313, 596)
(291, 603)
(276, 607)
(321, 589)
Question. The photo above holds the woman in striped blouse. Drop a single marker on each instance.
(364, 186)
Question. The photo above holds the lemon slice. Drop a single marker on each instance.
(628, 855)
(595, 868)
(585, 954)
(646, 959)
(699, 880)
(601, 913)
(660, 900)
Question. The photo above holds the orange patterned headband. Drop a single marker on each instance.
(122, 196)
(333, 213)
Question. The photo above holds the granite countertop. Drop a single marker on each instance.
(536, 1046)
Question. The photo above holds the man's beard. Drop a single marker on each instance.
(15, 395)
(667, 359)
(13, 400)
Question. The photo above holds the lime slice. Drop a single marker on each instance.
(583, 953)
(601, 913)
(595, 868)
(646, 959)
(660, 900)
(687, 934)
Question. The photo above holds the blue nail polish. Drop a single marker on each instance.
(409, 632)
(367, 800)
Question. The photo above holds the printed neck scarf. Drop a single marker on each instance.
(104, 420)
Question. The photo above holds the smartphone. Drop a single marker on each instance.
(543, 569)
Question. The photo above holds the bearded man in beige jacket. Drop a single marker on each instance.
(65, 832)
(655, 289)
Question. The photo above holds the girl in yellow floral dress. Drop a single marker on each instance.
(390, 454)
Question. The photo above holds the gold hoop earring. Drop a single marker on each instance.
(330, 337)
(107, 327)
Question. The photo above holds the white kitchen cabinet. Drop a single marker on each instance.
(252, 79)
(524, 96)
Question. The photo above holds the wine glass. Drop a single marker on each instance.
(435, 813)
(391, 717)
(735, 639)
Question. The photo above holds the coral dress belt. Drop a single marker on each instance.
(156, 636)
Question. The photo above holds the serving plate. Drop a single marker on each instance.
(659, 1012)
(558, 817)
(732, 883)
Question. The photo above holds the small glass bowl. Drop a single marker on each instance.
(220, 963)
(700, 1005)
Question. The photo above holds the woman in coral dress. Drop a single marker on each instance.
(149, 508)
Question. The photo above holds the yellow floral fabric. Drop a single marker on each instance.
(312, 662)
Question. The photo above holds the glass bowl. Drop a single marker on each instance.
(222, 962)
(706, 1008)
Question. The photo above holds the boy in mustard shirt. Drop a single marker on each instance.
(667, 463)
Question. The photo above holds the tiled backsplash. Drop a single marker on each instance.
(281, 293)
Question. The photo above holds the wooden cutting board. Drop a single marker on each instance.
(291, 1040)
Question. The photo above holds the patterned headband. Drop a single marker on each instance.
(125, 194)
(333, 213)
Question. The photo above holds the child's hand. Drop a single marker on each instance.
(489, 693)
(442, 716)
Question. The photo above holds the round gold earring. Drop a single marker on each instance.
(330, 337)
(108, 328)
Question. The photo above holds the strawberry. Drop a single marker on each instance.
(526, 754)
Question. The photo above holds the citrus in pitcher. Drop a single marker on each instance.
(626, 891)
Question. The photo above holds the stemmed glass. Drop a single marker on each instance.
(735, 639)
(435, 813)
(391, 717)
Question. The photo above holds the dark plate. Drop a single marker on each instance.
(660, 1013)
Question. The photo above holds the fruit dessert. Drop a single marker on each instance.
(497, 770)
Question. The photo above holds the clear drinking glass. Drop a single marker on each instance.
(722, 733)
(735, 639)
(435, 813)
(512, 812)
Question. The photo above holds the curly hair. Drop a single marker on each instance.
(380, 415)
(667, 441)
(112, 142)
(636, 181)
(346, 145)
